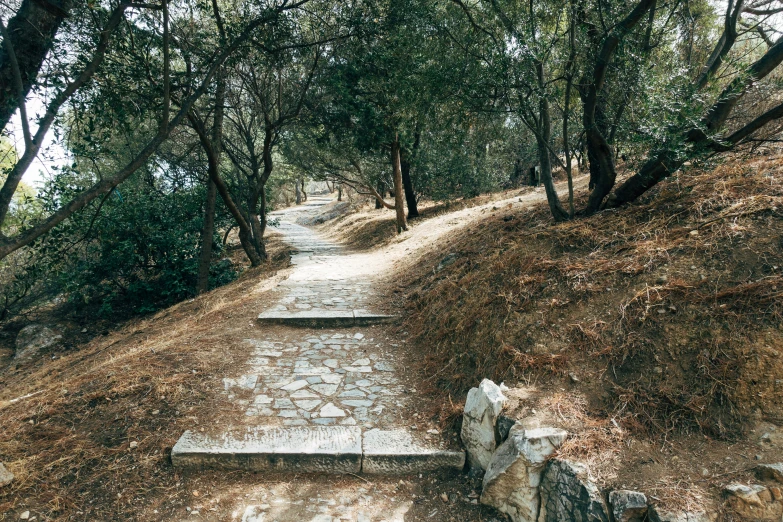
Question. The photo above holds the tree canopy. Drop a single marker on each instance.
(183, 121)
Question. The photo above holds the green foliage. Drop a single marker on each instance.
(136, 251)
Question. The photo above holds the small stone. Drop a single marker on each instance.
(25, 516)
(770, 472)
(568, 494)
(628, 506)
(330, 410)
(296, 385)
(324, 389)
(133, 444)
(694, 232)
(515, 470)
(444, 497)
(573, 377)
(6, 477)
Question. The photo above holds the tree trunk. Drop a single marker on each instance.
(32, 32)
(599, 153)
(666, 162)
(304, 193)
(207, 233)
(381, 188)
(398, 190)
(258, 235)
(340, 192)
(543, 138)
(298, 194)
(602, 170)
(410, 195)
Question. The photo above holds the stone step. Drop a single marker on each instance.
(323, 449)
(328, 449)
(396, 452)
(324, 318)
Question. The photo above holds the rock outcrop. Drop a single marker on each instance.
(479, 434)
(511, 483)
(755, 502)
(32, 339)
(567, 494)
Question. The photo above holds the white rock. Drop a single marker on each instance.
(25, 516)
(482, 408)
(6, 477)
(330, 410)
(514, 473)
(296, 385)
(32, 339)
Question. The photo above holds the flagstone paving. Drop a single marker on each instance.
(301, 377)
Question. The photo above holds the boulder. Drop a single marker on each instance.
(514, 474)
(770, 472)
(6, 477)
(479, 435)
(567, 494)
(33, 338)
(628, 506)
(755, 502)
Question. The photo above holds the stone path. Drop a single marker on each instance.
(317, 377)
(342, 378)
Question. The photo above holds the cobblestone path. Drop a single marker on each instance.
(304, 376)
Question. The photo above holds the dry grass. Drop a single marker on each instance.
(69, 444)
(672, 306)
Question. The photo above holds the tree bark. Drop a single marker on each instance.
(32, 31)
(543, 137)
(398, 190)
(410, 194)
(298, 193)
(602, 169)
(381, 190)
(207, 233)
(245, 230)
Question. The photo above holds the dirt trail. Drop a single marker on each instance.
(405, 249)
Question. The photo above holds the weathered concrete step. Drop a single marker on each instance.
(323, 449)
(396, 452)
(324, 318)
(331, 449)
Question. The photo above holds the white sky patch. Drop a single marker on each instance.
(52, 153)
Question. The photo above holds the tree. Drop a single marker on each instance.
(198, 77)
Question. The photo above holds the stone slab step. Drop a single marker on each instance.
(324, 318)
(395, 452)
(330, 449)
(323, 449)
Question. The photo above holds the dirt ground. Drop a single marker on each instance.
(585, 331)
(88, 427)
(653, 334)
